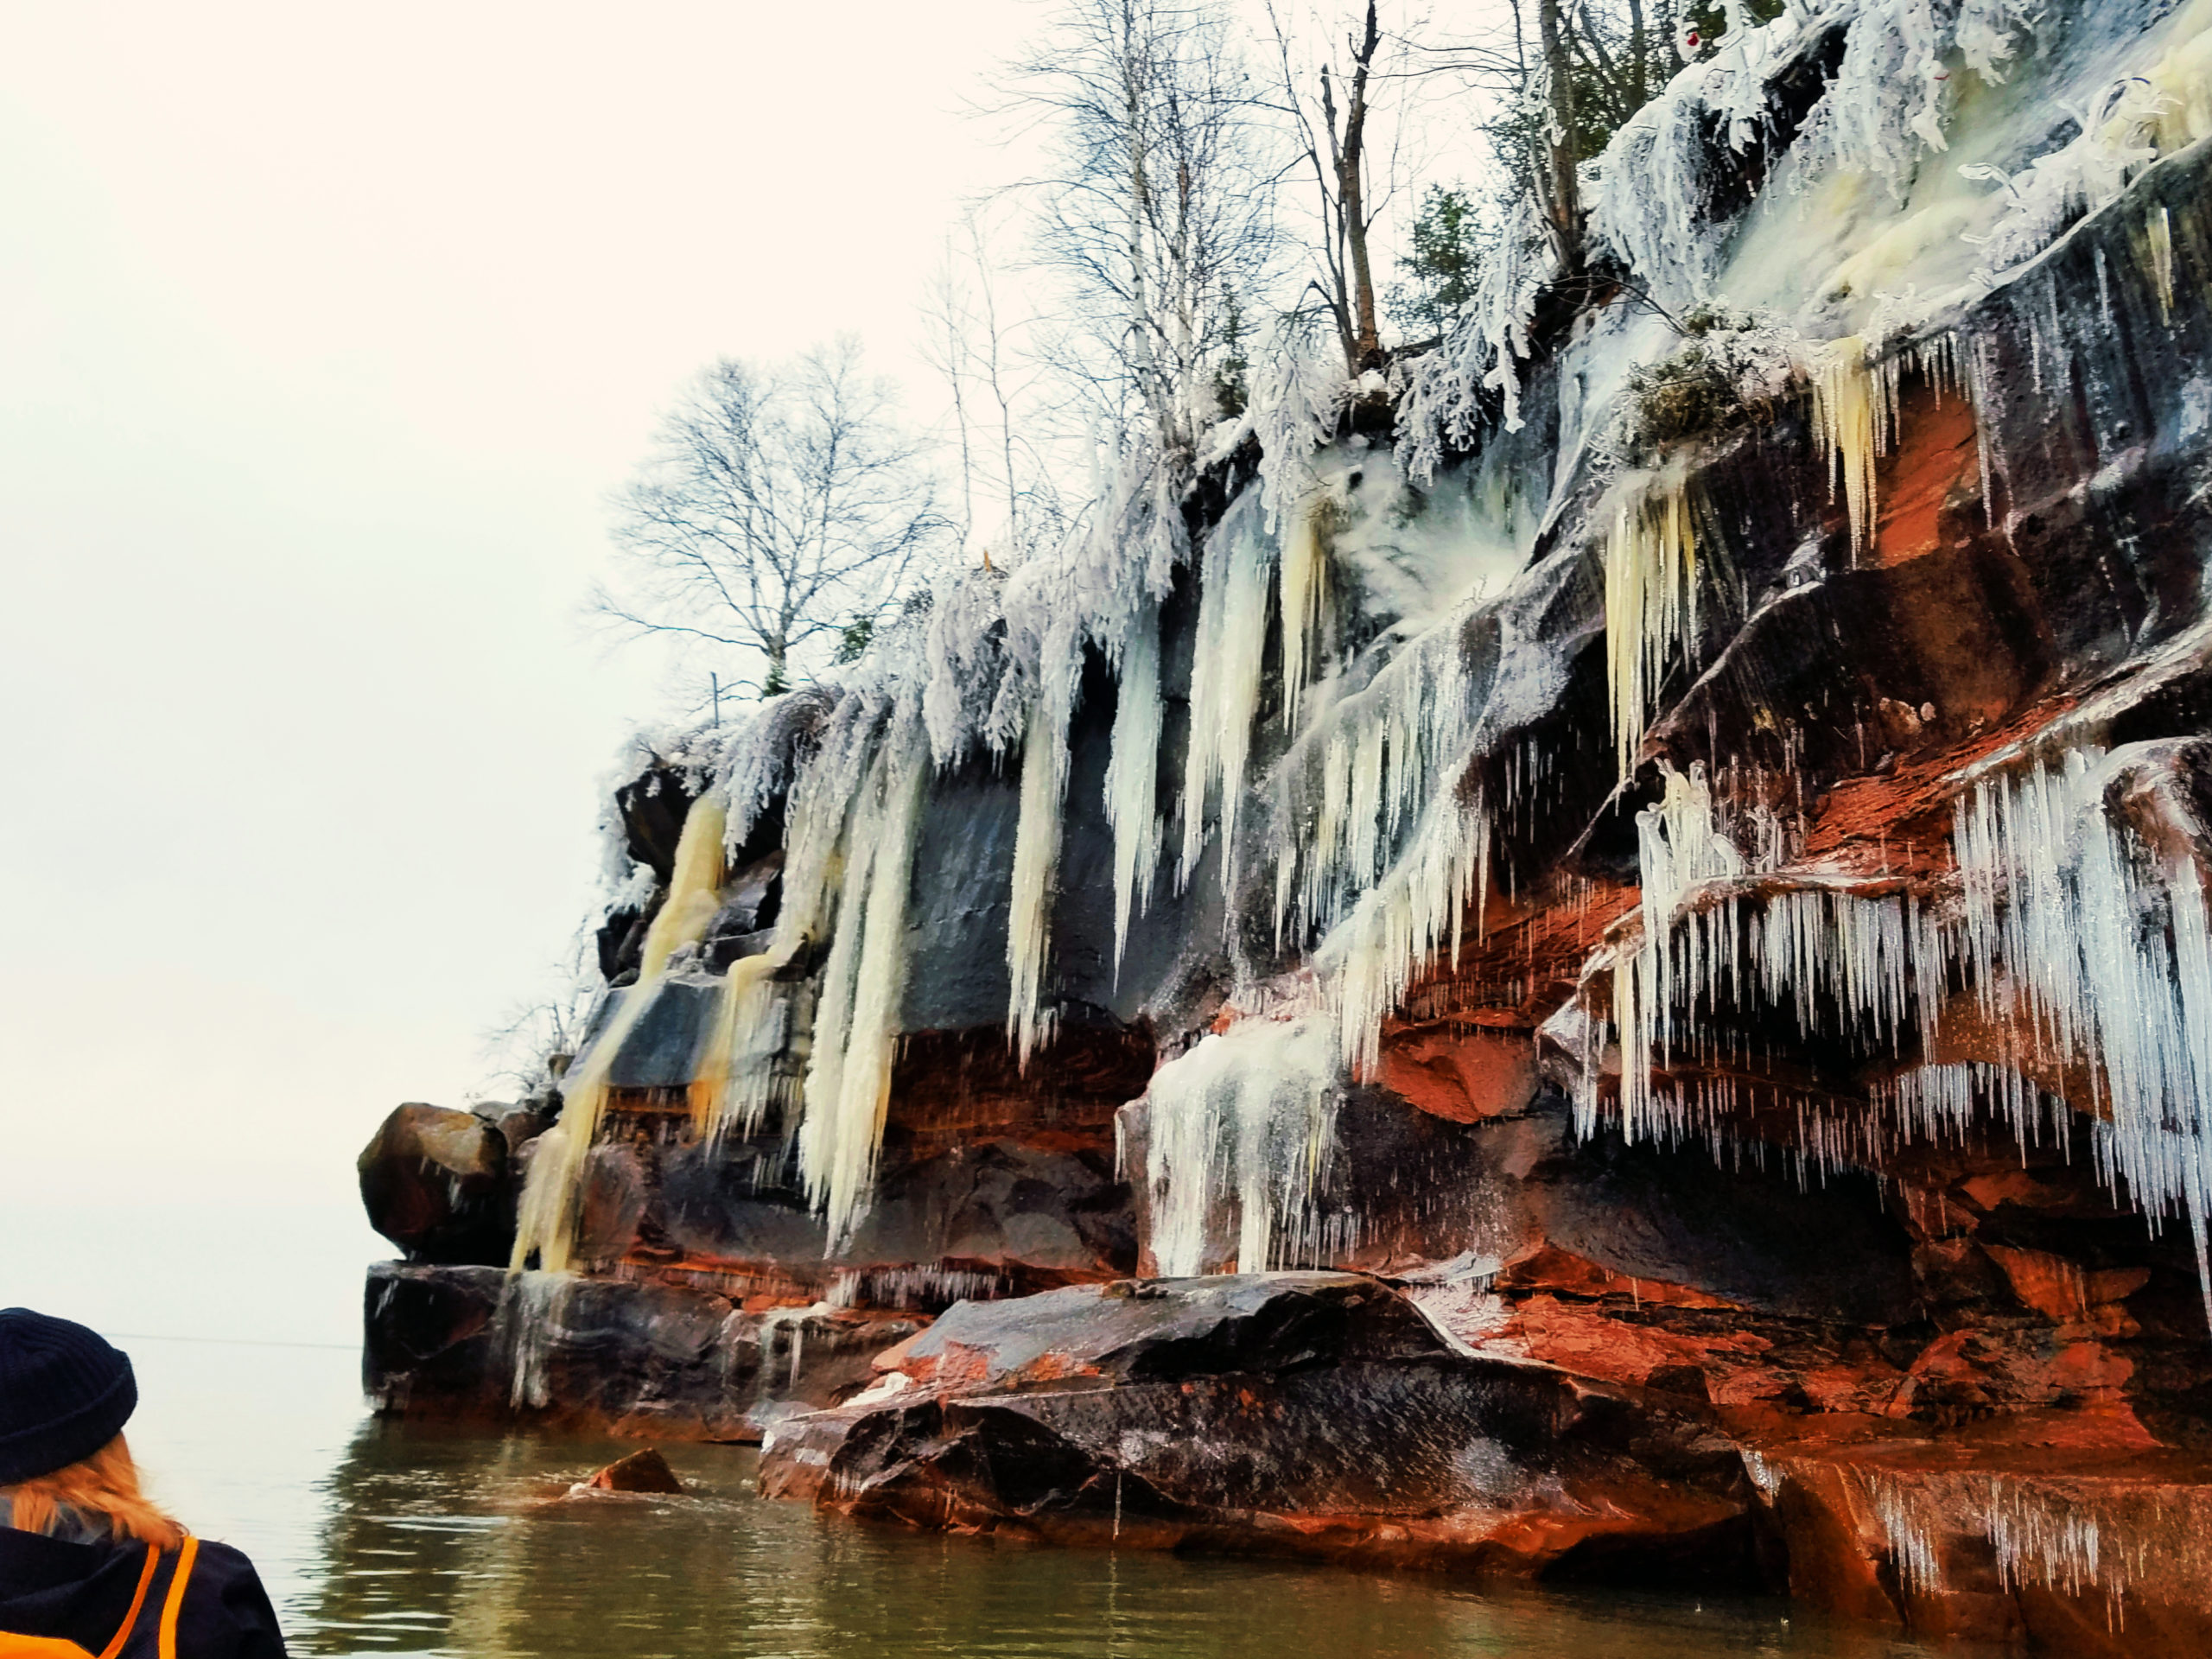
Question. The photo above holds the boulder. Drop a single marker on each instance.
(437, 1184)
(641, 1471)
(1299, 1412)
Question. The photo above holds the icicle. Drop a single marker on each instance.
(1131, 777)
(1848, 427)
(1678, 847)
(1036, 872)
(546, 1221)
(1367, 962)
(1650, 597)
(2117, 970)
(1302, 589)
(1225, 679)
(855, 1038)
(1247, 1114)
(2162, 262)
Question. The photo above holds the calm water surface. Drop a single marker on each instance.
(386, 1538)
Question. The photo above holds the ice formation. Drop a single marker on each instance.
(1226, 680)
(1650, 596)
(857, 1022)
(2085, 944)
(1409, 589)
(1133, 777)
(2080, 942)
(546, 1224)
(1245, 1115)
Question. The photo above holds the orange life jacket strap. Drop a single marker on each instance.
(174, 1606)
(13, 1646)
(137, 1605)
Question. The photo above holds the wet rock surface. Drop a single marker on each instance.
(645, 1471)
(436, 1183)
(1312, 1414)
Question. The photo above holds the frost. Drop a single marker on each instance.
(2118, 139)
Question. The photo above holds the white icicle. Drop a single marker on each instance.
(1246, 1114)
(1131, 777)
(847, 1095)
(1036, 871)
(1225, 678)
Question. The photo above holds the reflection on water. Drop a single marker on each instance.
(380, 1538)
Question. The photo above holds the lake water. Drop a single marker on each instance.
(384, 1538)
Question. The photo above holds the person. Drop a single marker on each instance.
(89, 1569)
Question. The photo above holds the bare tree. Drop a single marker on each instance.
(780, 513)
(1334, 146)
(1007, 498)
(1157, 205)
(534, 1041)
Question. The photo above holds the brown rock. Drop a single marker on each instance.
(437, 1184)
(641, 1471)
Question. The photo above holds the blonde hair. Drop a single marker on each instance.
(103, 1487)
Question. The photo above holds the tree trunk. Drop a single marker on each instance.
(1563, 205)
(1366, 343)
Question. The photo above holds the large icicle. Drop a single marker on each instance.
(1133, 777)
(1037, 836)
(1853, 418)
(545, 1222)
(1225, 678)
(856, 1028)
(1302, 585)
(1246, 1114)
(1036, 869)
(1650, 596)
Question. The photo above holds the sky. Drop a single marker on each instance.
(327, 333)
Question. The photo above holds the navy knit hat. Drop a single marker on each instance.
(64, 1394)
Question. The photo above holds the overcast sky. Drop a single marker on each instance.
(326, 332)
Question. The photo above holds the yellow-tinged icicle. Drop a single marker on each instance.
(1650, 597)
(1849, 425)
(2162, 261)
(1301, 581)
(546, 1221)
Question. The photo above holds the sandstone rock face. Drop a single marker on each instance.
(435, 1183)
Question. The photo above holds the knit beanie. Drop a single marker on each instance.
(64, 1394)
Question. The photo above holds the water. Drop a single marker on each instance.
(395, 1539)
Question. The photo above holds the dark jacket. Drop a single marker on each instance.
(84, 1592)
